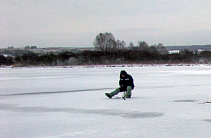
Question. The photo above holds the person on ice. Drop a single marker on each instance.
(125, 83)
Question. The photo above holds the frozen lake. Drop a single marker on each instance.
(168, 101)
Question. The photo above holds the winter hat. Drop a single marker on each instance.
(123, 72)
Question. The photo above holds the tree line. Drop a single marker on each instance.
(110, 51)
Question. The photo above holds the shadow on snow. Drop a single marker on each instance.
(107, 112)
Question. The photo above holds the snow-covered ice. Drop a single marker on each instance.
(168, 101)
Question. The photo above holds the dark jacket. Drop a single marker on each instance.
(126, 81)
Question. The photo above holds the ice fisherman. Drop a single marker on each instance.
(125, 83)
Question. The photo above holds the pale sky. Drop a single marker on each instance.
(75, 23)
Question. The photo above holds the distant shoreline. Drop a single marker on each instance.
(109, 65)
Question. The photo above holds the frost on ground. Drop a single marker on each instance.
(70, 102)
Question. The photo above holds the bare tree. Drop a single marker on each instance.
(120, 45)
(131, 45)
(104, 42)
(142, 45)
(161, 49)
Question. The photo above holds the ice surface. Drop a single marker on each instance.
(168, 101)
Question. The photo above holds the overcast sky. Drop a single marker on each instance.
(75, 23)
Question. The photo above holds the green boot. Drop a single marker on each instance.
(128, 93)
(108, 95)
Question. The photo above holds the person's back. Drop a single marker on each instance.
(125, 80)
